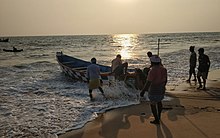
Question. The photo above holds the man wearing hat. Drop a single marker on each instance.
(203, 69)
(192, 64)
(155, 85)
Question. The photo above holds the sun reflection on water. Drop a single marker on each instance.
(126, 43)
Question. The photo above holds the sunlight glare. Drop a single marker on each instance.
(125, 1)
(127, 43)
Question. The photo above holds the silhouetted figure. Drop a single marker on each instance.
(14, 49)
(149, 54)
(155, 85)
(192, 64)
(203, 69)
(119, 69)
(141, 77)
(93, 75)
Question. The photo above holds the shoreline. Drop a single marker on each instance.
(190, 113)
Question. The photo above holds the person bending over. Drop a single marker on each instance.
(118, 68)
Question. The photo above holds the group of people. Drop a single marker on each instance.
(203, 67)
(154, 84)
(118, 69)
(155, 80)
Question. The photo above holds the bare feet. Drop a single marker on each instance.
(156, 122)
(200, 86)
(194, 80)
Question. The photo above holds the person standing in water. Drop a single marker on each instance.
(93, 75)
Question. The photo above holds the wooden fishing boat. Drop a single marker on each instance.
(4, 40)
(76, 68)
(14, 50)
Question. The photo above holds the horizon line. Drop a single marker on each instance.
(109, 34)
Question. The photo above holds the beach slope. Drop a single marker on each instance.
(190, 113)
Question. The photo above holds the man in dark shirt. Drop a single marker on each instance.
(192, 64)
(203, 69)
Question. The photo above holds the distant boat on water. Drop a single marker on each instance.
(4, 40)
(13, 50)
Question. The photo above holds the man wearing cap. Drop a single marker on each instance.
(155, 85)
(203, 69)
(192, 64)
(93, 75)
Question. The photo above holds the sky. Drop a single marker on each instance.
(94, 17)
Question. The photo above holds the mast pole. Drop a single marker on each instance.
(158, 47)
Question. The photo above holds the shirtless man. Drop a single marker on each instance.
(119, 68)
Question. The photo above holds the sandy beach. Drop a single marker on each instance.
(190, 113)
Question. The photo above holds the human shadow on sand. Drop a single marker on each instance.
(113, 121)
(163, 128)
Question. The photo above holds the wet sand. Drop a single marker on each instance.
(190, 113)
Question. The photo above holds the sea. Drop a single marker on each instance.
(38, 100)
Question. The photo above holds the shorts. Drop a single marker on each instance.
(204, 75)
(155, 98)
(93, 84)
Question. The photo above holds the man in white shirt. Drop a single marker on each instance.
(93, 75)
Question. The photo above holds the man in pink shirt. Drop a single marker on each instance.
(155, 85)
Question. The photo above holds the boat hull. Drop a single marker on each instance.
(76, 68)
(4, 40)
(8, 50)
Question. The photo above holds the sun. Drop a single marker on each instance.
(125, 1)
